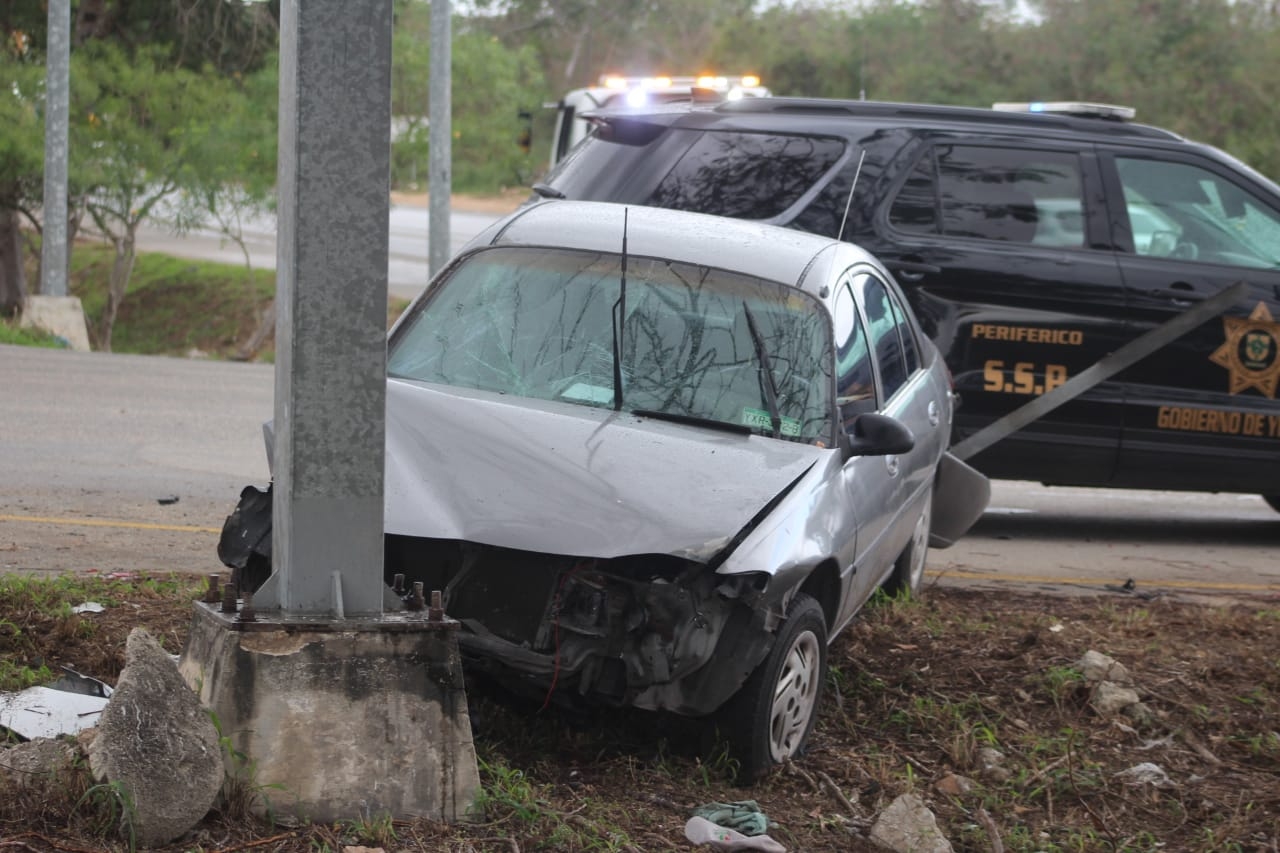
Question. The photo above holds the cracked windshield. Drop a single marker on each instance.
(667, 339)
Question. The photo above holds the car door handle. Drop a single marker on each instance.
(1179, 293)
(892, 464)
(934, 417)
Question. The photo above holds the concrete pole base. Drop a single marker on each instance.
(339, 719)
(58, 315)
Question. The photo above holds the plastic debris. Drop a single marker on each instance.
(88, 607)
(67, 706)
(701, 831)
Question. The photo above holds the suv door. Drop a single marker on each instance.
(1001, 246)
(1189, 226)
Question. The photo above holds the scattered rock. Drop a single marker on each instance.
(991, 765)
(954, 786)
(157, 743)
(907, 826)
(35, 761)
(1109, 697)
(1096, 667)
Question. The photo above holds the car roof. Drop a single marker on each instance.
(753, 248)
(832, 115)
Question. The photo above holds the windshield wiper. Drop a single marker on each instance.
(619, 317)
(693, 420)
(762, 355)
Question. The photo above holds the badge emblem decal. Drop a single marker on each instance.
(1250, 351)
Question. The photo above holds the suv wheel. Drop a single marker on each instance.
(769, 719)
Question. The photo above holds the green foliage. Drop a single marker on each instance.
(492, 84)
(12, 333)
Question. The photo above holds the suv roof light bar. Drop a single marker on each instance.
(1071, 108)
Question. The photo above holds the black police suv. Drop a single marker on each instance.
(1037, 244)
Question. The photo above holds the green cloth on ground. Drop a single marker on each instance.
(742, 815)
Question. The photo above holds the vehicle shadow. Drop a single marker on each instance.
(1100, 527)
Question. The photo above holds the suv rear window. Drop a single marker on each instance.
(746, 175)
(1015, 195)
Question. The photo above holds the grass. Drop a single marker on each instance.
(918, 691)
(173, 307)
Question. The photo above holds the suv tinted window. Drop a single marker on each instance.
(746, 175)
(1011, 194)
(1181, 211)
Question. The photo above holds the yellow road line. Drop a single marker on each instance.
(1147, 583)
(96, 522)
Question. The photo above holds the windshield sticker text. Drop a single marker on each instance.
(759, 419)
(1027, 334)
(1215, 420)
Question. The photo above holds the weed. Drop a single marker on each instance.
(110, 810)
(241, 792)
(377, 830)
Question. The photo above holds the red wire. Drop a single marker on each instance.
(555, 671)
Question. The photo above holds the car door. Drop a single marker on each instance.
(1000, 245)
(879, 368)
(1187, 227)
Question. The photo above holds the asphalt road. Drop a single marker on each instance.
(122, 463)
(407, 267)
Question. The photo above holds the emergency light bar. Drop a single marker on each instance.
(1070, 108)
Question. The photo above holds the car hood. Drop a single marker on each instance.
(566, 479)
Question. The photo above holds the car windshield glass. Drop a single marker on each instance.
(539, 322)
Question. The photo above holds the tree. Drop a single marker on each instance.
(147, 129)
(21, 167)
(491, 86)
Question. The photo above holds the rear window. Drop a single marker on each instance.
(746, 175)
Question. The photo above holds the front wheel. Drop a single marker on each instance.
(769, 719)
(1273, 501)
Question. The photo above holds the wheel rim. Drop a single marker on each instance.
(794, 697)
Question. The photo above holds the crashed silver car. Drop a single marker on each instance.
(661, 459)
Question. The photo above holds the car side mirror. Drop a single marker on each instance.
(874, 434)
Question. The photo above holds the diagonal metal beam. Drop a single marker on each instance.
(1109, 365)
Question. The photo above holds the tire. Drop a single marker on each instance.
(769, 719)
(1273, 501)
(908, 569)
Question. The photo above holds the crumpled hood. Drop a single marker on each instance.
(566, 479)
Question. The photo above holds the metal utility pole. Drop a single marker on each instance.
(440, 137)
(331, 307)
(53, 252)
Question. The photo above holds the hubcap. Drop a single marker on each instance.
(920, 546)
(794, 697)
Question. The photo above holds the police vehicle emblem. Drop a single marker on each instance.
(1249, 352)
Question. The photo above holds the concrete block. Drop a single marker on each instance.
(343, 719)
(58, 315)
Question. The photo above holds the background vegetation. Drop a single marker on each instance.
(173, 102)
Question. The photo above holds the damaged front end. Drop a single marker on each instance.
(652, 631)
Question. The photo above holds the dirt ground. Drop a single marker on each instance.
(917, 691)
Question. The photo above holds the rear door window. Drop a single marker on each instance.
(1015, 195)
(746, 175)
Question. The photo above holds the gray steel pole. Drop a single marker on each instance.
(53, 252)
(440, 137)
(331, 308)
